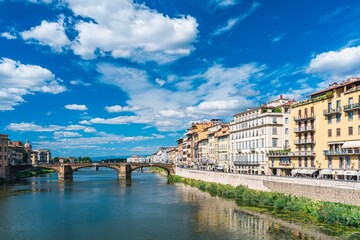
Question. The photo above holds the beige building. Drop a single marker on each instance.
(256, 132)
(172, 154)
(180, 151)
(218, 146)
(325, 139)
(4, 141)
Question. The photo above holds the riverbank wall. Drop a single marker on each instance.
(347, 192)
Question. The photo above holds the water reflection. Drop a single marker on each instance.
(96, 205)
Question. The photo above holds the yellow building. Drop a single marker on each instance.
(325, 139)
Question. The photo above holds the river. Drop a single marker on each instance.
(96, 205)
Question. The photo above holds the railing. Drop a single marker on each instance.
(304, 117)
(291, 154)
(352, 106)
(332, 111)
(246, 163)
(341, 152)
(304, 141)
(304, 129)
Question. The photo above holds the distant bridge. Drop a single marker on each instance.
(65, 171)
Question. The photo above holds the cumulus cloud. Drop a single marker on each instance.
(76, 107)
(50, 34)
(118, 108)
(216, 92)
(345, 61)
(18, 80)
(124, 29)
(8, 35)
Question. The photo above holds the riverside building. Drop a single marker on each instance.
(325, 140)
(4, 140)
(255, 132)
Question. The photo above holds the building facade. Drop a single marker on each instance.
(256, 132)
(325, 139)
(4, 141)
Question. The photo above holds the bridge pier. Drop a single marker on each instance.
(124, 172)
(66, 172)
(96, 168)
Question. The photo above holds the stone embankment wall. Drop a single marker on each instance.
(318, 189)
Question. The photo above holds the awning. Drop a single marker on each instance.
(303, 171)
(351, 173)
(295, 171)
(351, 144)
(340, 172)
(307, 171)
(337, 142)
(326, 172)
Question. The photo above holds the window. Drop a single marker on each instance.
(338, 132)
(350, 115)
(329, 119)
(312, 162)
(330, 162)
(312, 111)
(350, 130)
(287, 120)
(359, 114)
(286, 144)
(274, 142)
(329, 133)
(338, 117)
(350, 101)
(299, 161)
(306, 162)
(274, 119)
(359, 132)
(299, 113)
(306, 112)
(274, 131)
(341, 162)
(262, 143)
(286, 131)
(348, 161)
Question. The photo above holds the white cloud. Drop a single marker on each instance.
(78, 82)
(32, 127)
(62, 134)
(50, 34)
(76, 107)
(124, 29)
(18, 80)
(118, 108)
(234, 21)
(216, 92)
(160, 82)
(226, 3)
(345, 61)
(8, 35)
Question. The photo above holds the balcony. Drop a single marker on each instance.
(351, 107)
(332, 111)
(238, 163)
(304, 141)
(301, 154)
(304, 129)
(304, 117)
(341, 152)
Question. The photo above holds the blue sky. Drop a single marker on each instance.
(121, 77)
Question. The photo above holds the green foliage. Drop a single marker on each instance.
(276, 110)
(327, 212)
(84, 160)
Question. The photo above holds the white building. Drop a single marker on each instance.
(253, 133)
(135, 159)
(161, 156)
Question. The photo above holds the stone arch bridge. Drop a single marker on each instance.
(65, 171)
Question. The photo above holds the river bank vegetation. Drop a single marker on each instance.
(323, 212)
(33, 172)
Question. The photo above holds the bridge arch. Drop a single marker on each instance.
(168, 170)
